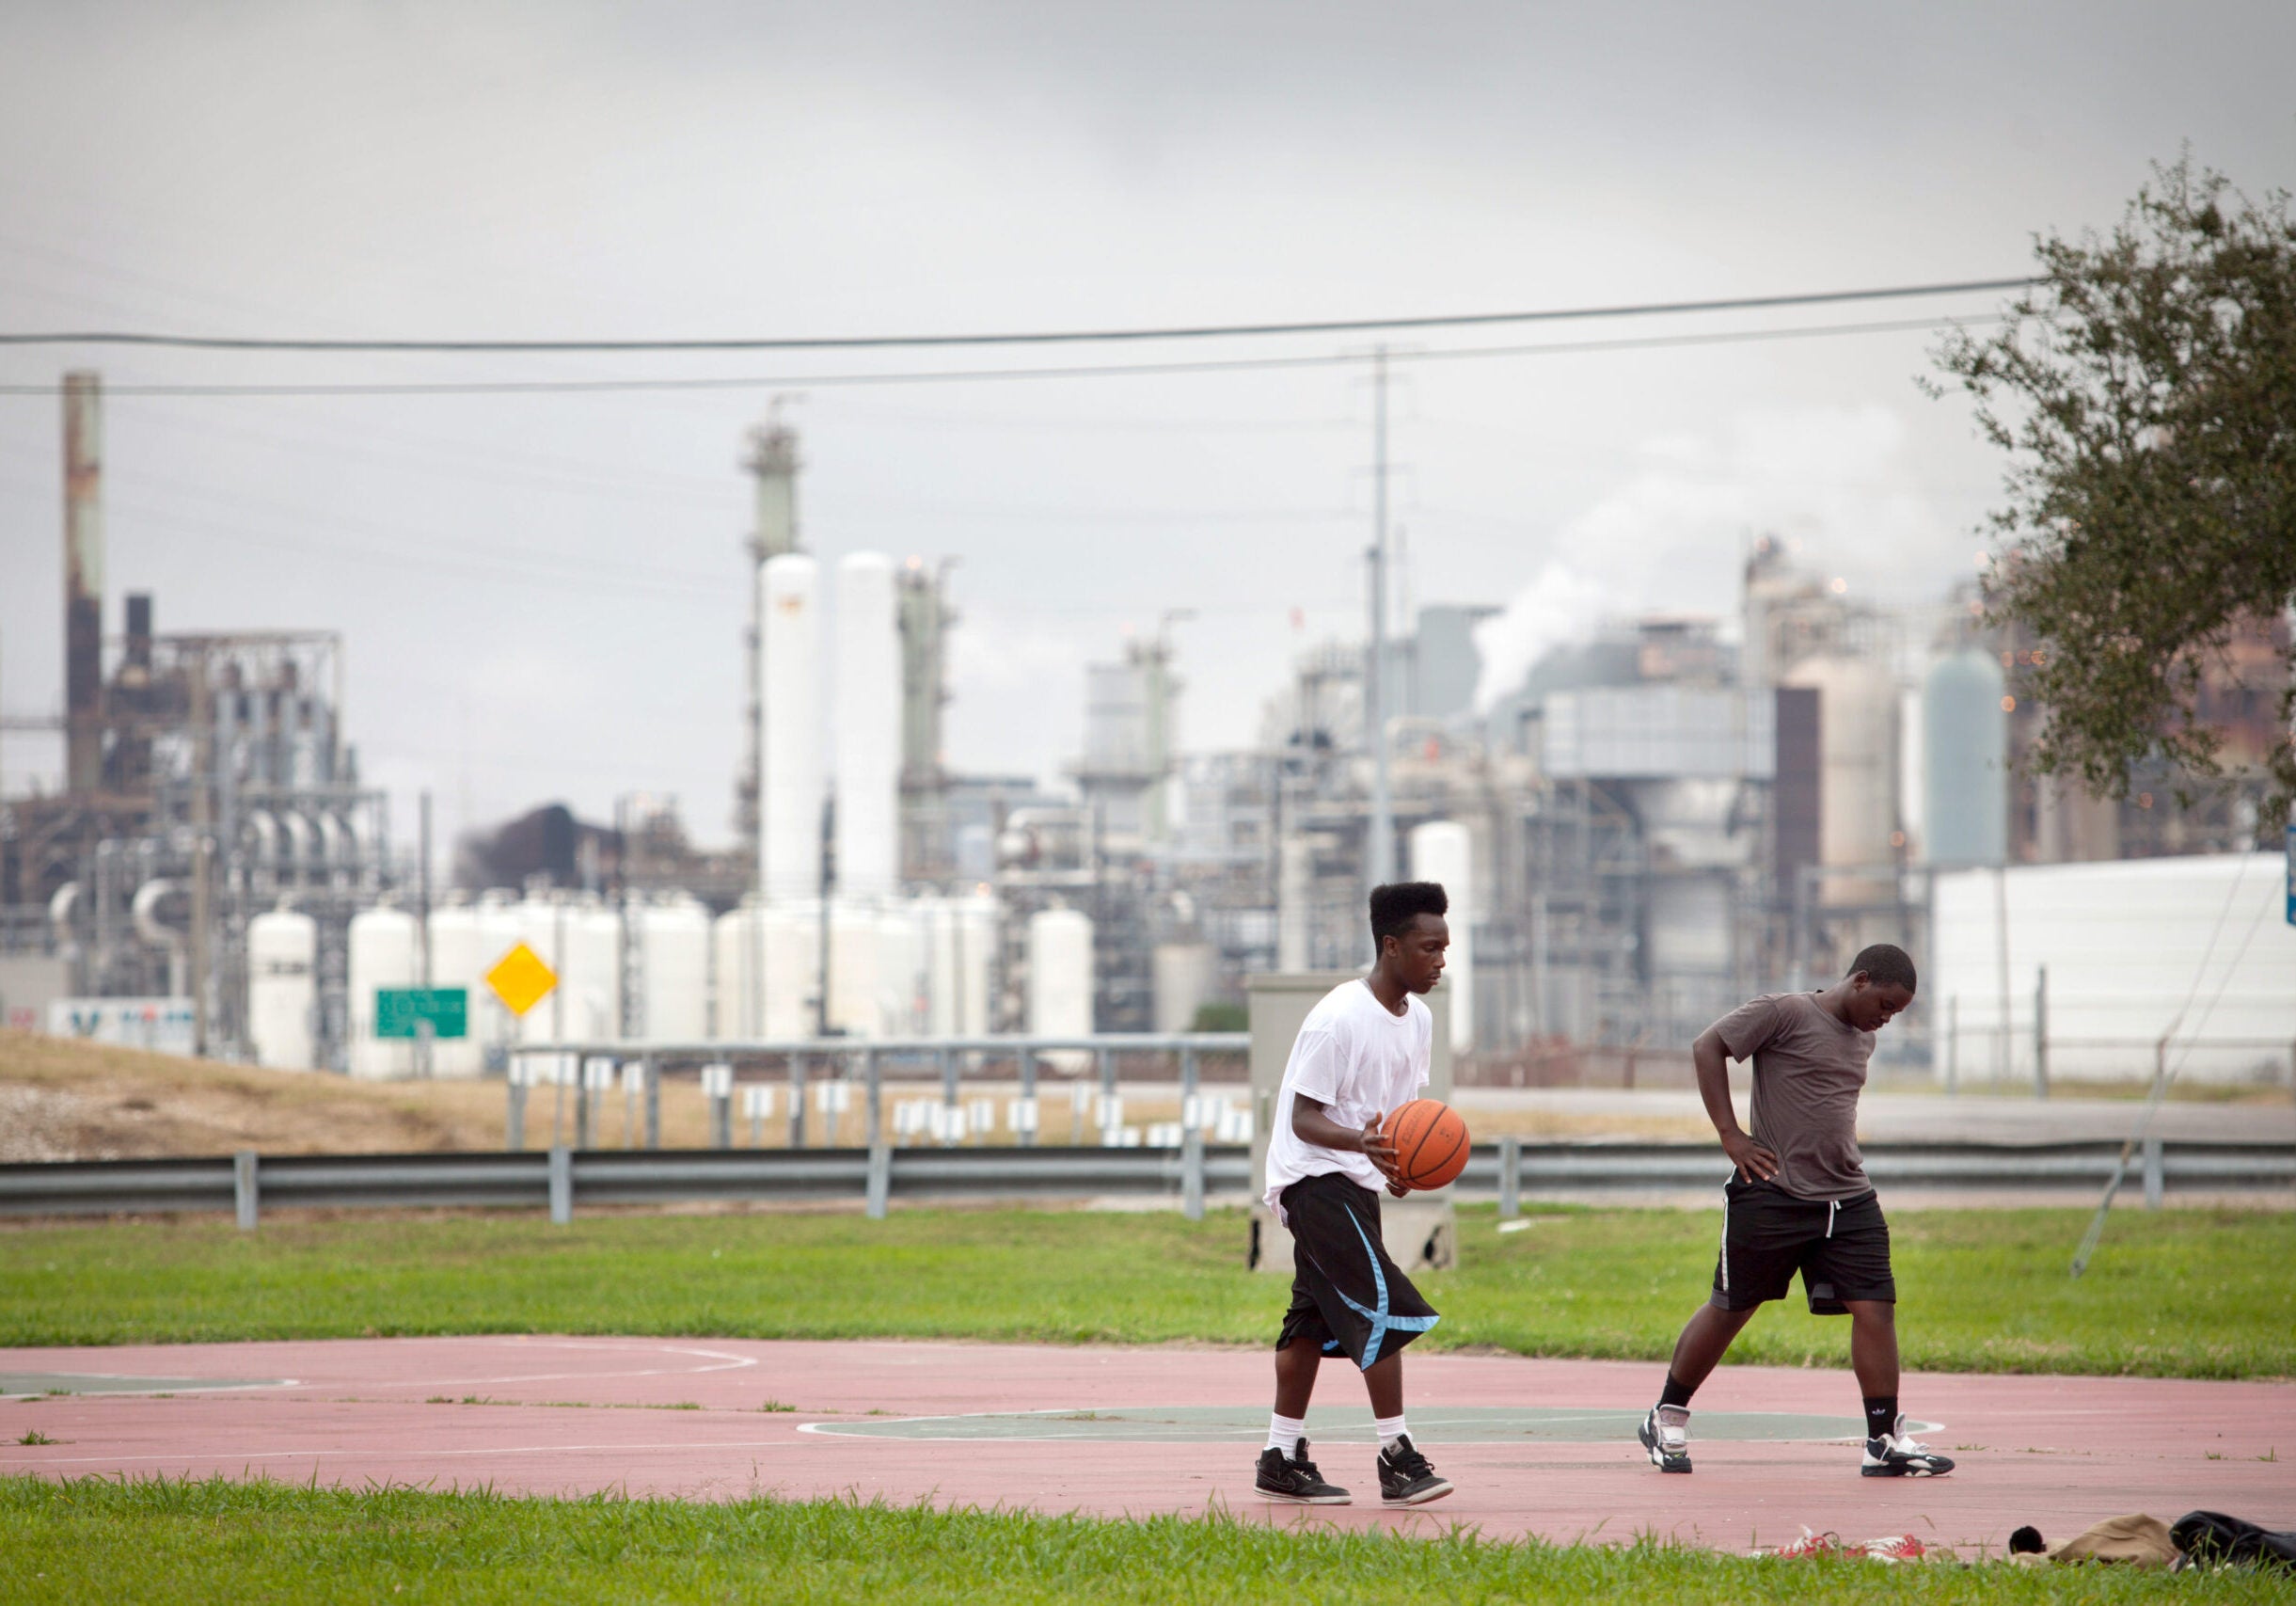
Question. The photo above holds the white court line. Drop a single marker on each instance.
(179, 1389)
(728, 1364)
(272, 1386)
(198, 1386)
(862, 1428)
(245, 1455)
(726, 1361)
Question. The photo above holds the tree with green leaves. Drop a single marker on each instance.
(2146, 389)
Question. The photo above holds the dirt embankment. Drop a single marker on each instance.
(67, 1100)
(62, 1100)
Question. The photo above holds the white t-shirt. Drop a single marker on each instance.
(1358, 1061)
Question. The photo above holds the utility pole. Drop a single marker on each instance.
(1381, 859)
(202, 802)
(828, 887)
(422, 888)
(425, 1031)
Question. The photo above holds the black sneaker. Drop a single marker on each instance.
(1898, 1455)
(1666, 1434)
(1295, 1480)
(1405, 1478)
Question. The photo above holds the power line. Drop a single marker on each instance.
(1061, 337)
(1089, 371)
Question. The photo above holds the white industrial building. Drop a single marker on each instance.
(2194, 948)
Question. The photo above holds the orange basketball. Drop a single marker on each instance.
(1431, 1143)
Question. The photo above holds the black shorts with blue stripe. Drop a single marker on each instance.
(1347, 1297)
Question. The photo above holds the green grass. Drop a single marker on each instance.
(2185, 1292)
(216, 1540)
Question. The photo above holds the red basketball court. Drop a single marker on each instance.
(1539, 1447)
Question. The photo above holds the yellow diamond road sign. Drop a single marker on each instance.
(520, 978)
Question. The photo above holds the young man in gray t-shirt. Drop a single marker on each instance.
(1797, 1201)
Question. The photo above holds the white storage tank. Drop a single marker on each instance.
(1965, 733)
(593, 971)
(768, 958)
(382, 945)
(1186, 974)
(959, 963)
(467, 940)
(790, 698)
(867, 729)
(580, 940)
(934, 918)
(1442, 850)
(453, 928)
(737, 971)
(500, 929)
(793, 970)
(673, 944)
(282, 989)
(542, 928)
(1060, 973)
(855, 931)
(904, 942)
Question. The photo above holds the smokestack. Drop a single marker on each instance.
(83, 581)
(773, 460)
(139, 631)
(129, 707)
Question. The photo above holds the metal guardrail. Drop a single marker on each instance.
(559, 1178)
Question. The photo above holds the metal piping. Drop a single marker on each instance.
(61, 908)
(367, 874)
(302, 849)
(144, 909)
(338, 849)
(265, 830)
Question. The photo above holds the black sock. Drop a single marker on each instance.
(1674, 1393)
(1881, 1415)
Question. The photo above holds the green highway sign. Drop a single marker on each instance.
(397, 1009)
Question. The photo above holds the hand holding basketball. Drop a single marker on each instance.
(1377, 1148)
(1429, 1142)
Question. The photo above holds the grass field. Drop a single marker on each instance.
(216, 1540)
(2193, 1293)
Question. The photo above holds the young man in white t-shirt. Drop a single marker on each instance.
(1364, 1048)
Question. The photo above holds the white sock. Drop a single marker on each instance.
(1285, 1433)
(1390, 1429)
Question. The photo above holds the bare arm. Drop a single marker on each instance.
(1711, 1061)
(1312, 1123)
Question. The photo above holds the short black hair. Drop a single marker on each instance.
(1397, 904)
(1885, 964)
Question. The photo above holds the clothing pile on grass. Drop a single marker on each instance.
(2196, 1539)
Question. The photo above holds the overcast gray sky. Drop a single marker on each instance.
(542, 595)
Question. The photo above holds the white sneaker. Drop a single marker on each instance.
(1666, 1434)
(1898, 1455)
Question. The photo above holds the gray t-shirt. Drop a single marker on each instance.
(1808, 1068)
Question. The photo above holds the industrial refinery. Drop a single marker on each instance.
(1666, 815)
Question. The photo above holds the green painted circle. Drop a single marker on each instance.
(1352, 1425)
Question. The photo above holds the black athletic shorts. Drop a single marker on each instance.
(1347, 1297)
(1841, 1249)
